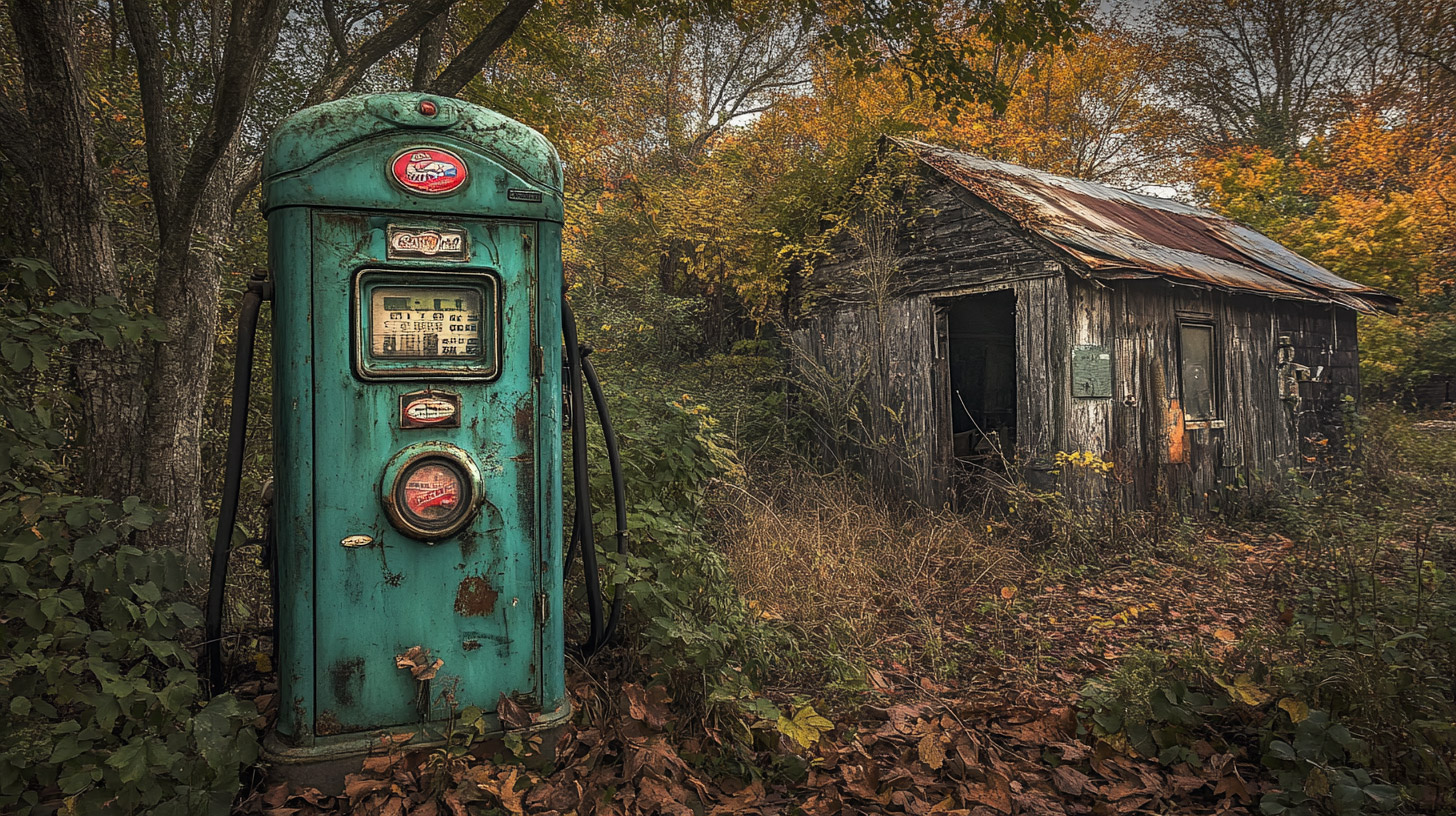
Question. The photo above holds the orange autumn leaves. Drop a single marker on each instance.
(1374, 201)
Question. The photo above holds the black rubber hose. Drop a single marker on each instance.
(619, 491)
(581, 526)
(259, 290)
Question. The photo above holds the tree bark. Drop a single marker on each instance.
(78, 234)
(467, 64)
(177, 392)
(195, 205)
(427, 52)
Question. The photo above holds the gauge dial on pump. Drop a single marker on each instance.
(433, 495)
(432, 492)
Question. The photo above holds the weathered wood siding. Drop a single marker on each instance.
(953, 241)
(1142, 427)
(887, 359)
(887, 353)
(872, 366)
(1043, 367)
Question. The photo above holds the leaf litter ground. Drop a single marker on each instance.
(1001, 738)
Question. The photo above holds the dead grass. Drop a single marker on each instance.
(879, 591)
(870, 582)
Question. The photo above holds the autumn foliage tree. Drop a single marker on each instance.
(136, 130)
(1369, 191)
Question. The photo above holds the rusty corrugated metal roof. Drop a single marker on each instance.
(1118, 234)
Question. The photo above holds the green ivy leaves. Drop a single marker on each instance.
(105, 713)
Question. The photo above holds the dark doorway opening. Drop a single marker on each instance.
(981, 335)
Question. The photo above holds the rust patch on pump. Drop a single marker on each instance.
(475, 597)
(300, 716)
(345, 676)
(524, 420)
(470, 645)
(328, 724)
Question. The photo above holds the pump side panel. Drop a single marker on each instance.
(549, 454)
(470, 599)
(290, 257)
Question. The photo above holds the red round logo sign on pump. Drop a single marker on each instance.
(429, 170)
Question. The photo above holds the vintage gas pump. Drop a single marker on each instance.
(418, 314)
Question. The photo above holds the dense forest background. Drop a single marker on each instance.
(1296, 659)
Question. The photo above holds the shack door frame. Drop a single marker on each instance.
(947, 465)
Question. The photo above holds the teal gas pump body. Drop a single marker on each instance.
(415, 250)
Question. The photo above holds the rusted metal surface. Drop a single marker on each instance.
(1118, 234)
(475, 597)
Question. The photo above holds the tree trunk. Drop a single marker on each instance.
(78, 234)
(177, 390)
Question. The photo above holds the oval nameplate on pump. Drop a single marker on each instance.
(429, 170)
(429, 409)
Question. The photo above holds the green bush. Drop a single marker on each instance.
(103, 710)
(1352, 703)
(1160, 708)
(689, 623)
(101, 693)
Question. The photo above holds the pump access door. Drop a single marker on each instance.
(428, 402)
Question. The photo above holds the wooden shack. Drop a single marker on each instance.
(1010, 314)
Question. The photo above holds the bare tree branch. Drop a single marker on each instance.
(251, 35)
(141, 26)
(335, 29)
(427, 55)
(250, 177)
(467, 64)
(341, 77)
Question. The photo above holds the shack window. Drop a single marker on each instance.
(1196, 360)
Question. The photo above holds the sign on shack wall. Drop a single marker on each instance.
(1091, 371)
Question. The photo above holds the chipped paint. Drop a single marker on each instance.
(1118, 234)
(328, 724)
(1177, 433)
(347, 677)
(475, 597)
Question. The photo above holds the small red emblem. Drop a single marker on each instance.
(429, 170)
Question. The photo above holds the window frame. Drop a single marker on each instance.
(1199, 320)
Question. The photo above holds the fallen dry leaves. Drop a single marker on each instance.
(979, 753)
(1002, 741)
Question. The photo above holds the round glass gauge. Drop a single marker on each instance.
(433, 495)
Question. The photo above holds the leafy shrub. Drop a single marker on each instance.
(1151, 706)
(1310, 766)
(1159, 708)
(103, 710)
(102, 696)
(693, 628)
(1350, 702)
(1374, 618)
